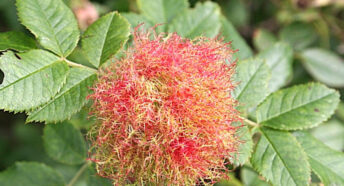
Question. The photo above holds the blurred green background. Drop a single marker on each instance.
(301, 23)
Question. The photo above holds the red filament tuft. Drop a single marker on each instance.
(165, 112)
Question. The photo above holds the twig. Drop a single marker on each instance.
(249, 122)
(79, 173)
(73, 64)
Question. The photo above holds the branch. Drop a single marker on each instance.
(79, 173)
(73, 64)
(249, 122)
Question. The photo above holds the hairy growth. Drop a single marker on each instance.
(165, 112)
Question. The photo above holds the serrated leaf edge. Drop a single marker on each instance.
(36, 36)
(297, 143)
(309, 157)
(15, 111)
(266, 81)
(122, 43)
(336, 92)
(62, 160)
(287, 47)
(50, 101)
(26, 47)
(250, 152)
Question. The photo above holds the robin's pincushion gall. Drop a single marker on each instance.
(165, 112)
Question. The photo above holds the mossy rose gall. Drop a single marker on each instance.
(165, 112)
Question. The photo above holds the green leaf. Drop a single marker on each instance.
(331, 133)
(279, 58)
(253, 76)
(30, 174)
(136, 19)
(162, 11)
(69, 100)
(64, 143)
(94, 180)
(232, 181)
(236, 11)
(328, 164)
(299, 35)
(31, 79)
(105, 37)
(77, 56)
(88, 176)
(245, 148)
(52, 22)
(340, 110)
(298, 107)
(204, 20)
(324, 66)
(263, 39)
(17, 41)
(231, 34)
(280, 159)
(66, 171)
(249, 177)
(83, 119)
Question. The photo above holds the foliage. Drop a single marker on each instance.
(287, 85)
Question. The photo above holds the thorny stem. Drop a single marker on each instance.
(73, 64)
(249, 122)
(79, 173)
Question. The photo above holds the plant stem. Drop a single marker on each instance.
(79, 173)
(249, 122)
(73, 64)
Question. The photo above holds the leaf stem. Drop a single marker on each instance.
(249, 122)
(79, 173)
(73, 64)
